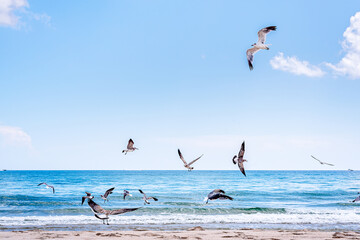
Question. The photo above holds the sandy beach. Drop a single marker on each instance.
(193, 233)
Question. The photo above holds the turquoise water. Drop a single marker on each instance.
(263, 199)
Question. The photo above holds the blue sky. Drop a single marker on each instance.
(78, 79)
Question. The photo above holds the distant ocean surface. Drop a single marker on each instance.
(263, 199)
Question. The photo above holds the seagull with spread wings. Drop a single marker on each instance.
(127, 193)
(103, 214)
(130, 147)
(259, 45)
(322, 163)
(47, 186)
(217, 194)
(146, 198)
(106, 194)
(188, 165)
(239, 159)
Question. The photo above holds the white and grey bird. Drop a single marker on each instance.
(188, 165)
(106, 194)
(146, 198)
(239, 159)
(47, 186)
(217, 194)
(103, 214)
(130, 147)
(356, 199)
(127, 193)
(321, 162)
(88, 196)
(259, 45)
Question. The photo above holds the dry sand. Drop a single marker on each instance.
(194, 233)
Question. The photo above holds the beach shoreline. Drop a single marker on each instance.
(192, 233)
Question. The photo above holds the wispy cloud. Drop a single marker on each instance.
(14, 136)
(10, 11)
(350, 64)
(295, 66)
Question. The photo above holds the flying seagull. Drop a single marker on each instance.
(217, 194)
(103, 214)
(88, 196)
(239, 159)
(145, 198)
(322, 163)
(47, 186)
(356, 199)
(259, 45)
(106, 194)
(130, 147)
(188, 165)
(126, 193)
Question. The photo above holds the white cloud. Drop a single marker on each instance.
(14, 136)
(295, 66)
(8, 9)
(350, 63)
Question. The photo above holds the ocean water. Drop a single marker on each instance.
(263, 199)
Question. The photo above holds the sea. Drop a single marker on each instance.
(317, 200)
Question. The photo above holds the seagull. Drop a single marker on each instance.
(356, 199)
(259, 45)
(217, 194)
(88, 196)
(130, 147)
(106, 194)
(239, 159)
(322, 163)
(188, 166)
(145, 198)
(47, 186)
(127, 193)
(103, 214)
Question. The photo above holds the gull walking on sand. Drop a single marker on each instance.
(103, 214)
(239, 159)
(47, 186)
(188, 165)
(259, 45)
(88, 196)
(217, 194)
(126, 193)
(109, 191)
(322, 163)
(145, 198)
(130, 147)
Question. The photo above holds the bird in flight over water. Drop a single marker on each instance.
(259, 45)
(145, 198)
(321, 162)
(47, 186)
(130, 147)
(217, 194)
(188, 165)
(239, 159)
(106, 194)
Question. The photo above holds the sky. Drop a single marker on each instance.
(79, 78)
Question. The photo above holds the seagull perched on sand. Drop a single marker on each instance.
(239, 159)
(356, 199)
(217, 194)
(259, 45)
(322, 163)
(130, 147)
(106, 194)
(103, 214)
(88, 196)
(47, 186)
(188, 165)
(145, 198)
(126, 193)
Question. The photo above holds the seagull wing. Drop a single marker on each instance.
(250, 56)
(121, 211)
(356, 199)
(234, 161)
(241, 167)
(142, 193)
(181, 157)
(316, 159)
(88, 194)
(130, 144)
(223, 196)
(41, 183)
(328, 164)
(109, 191)
(52, 189)
(262, 33)
(96, 207)
(155, 199)
(195, 160)
(242, 150)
